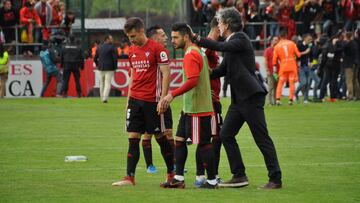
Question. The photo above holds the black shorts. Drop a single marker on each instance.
(198, 129)
(141, 117)
(168, 119)
(218, 117)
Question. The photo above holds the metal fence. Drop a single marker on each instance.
(203, 31)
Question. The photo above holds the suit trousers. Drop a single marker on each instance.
(250, 111)
(105, 84)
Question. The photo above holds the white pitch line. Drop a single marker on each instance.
(342, 164)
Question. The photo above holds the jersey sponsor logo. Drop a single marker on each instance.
(163, 56)
(133, 56)
(141, 64)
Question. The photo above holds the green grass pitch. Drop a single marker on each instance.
(318, 146)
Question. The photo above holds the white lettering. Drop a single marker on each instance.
(176, 74)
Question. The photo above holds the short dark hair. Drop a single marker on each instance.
(133, 23)
(272, 37)
(72, 38)
(283, 32)
(152, 30)
(214, 23)
(107, 37)
(307, 35)
(182, 28)
(28, 4)
(232, 17)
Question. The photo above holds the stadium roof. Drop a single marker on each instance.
(101, 23)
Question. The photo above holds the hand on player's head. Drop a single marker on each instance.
(192, 33)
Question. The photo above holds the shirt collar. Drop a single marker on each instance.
(227, 39)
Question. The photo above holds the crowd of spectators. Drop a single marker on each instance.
(325, 63)
(327, 30)
(316, 17)
(35, 20)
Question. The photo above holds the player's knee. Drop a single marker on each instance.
(147, 136)
(169, 134)
(134, 135)
(179, 142)
(146, 143)
(159, 136)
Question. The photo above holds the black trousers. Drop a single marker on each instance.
(250, 111)
(331, 73)
(74, 69)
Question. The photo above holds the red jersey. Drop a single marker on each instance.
(146, 75)
(268, 55)
(213, 61)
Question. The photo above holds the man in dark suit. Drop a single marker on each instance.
(106, 58)
(247, 99)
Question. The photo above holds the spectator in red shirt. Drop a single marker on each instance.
(44, 10)
(348, 13)
(271, 75)
(57, 15)
(284, 17)
(29, 17)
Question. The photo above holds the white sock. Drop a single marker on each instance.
(212, 182)
(200, 178)
(179, 178)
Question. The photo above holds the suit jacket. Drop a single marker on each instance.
(238, 65)
(106, 57)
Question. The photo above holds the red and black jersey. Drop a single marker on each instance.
(213, 61)
(146, 75)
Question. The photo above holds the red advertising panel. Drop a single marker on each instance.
(90, 79)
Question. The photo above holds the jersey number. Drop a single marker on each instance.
(286, 51)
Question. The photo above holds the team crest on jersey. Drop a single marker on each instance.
(147, 54)
(163, 56)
